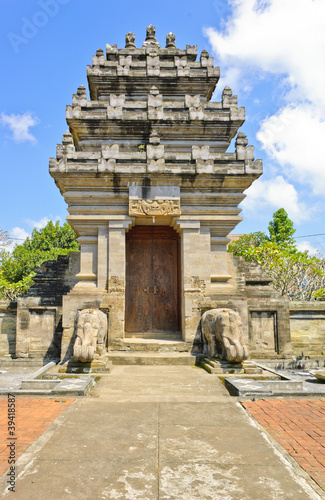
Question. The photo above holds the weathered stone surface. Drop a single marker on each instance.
(149, 147)
(307, 325)
(222, 333)
(91, 335)
(8, 318)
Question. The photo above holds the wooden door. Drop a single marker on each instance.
(152, 294)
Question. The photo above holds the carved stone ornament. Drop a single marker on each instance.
(91, 333)
(222, 333)
(116, 285)
(151, 33)
(170, 40)
(129, 40)
(154, 207)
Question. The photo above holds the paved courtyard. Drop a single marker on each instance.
(33, 416)
(151, 432)
(299, 426)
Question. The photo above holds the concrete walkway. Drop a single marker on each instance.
(157, 432)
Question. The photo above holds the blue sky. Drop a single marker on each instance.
(271, 53)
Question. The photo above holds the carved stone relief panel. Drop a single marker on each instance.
(154, 201)
(154, 207)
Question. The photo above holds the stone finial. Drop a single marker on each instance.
(151, 34)
(204, 53)
(81, 91)
(99, 52)
(228, 99)
(227, 92)
(170, 41)
(241, 139)
(129, 40)
(243, 151)
(67, 138)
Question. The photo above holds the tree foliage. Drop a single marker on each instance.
(17, 267)
(294, 274)
(281, 228)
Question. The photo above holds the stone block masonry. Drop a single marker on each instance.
(152, 194)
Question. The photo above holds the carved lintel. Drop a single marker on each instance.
(155, 208)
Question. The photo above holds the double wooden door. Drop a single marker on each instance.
(152, 277)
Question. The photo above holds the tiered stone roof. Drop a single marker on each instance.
(150, 115)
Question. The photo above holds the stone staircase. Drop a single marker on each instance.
(135, 351)
(219, 366)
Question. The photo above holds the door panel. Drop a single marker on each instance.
(138, 301)
(164, 278)
(152, 298)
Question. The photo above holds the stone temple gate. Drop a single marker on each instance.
(153, 194)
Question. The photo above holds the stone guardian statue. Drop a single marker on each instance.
(222, 334)
(91, 332)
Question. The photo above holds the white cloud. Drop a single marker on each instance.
(18, 235)
(285, 38)
(306, 245)
(294, 137)
(275, 193)
(42, 222)
(20, 125)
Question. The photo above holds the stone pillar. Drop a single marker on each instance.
(195, 272)
(88, 262)
(116, 278)
(220, 274)
(102, 257)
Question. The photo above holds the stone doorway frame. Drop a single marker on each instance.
(178, 332)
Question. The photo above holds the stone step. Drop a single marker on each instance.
(151, 345)
(218, 366)
(210, 369)
(151, 358)
(221, 369)
(24, 362)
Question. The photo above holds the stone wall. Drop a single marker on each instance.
(307, 325)
(39, 313)
(8, 315)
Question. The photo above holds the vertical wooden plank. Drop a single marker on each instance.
(138, 299)
(164, 282)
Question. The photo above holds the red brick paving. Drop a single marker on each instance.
(299, 426)
(32, 417)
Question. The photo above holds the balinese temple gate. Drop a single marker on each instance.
(153, 194)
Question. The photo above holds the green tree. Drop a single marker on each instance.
(297, 275)
(17, 267)
(281, 228)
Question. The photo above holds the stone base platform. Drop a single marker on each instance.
(96, 366)
(151, 345)
(151, 358)
(219, 366)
